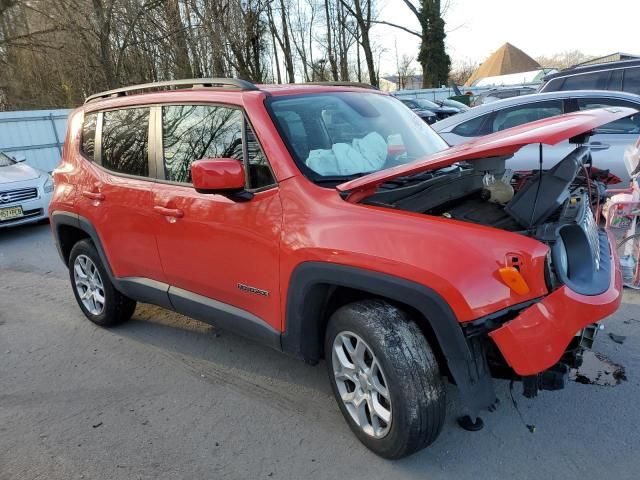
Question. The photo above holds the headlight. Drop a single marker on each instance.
(48, 184)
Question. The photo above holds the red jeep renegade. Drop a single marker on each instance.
(331, 222)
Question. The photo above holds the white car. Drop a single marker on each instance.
(607, 144)
(25, 192)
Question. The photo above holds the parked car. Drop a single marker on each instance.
(607, 144)
(618, 76)
(496, 94)
(427, 115)
(417, 104)
(329, 221)
(447, 102)
(25, 192)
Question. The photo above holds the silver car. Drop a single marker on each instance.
(25, 192)
(608, 143)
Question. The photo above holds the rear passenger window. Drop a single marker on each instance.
(632, 80)
(87, 145)
(587, 81)
(629, 125)
(512, 117)
(125, 141)
(193, 132)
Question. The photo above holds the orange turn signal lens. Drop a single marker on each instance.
(513, 279)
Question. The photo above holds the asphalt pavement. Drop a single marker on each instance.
(164, 396)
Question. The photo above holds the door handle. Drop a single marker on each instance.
(598, 146)
(93, 195)
(168, 212)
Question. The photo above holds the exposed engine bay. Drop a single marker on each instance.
(553, 206)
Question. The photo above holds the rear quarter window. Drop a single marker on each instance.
(88, 140)
(471, 128)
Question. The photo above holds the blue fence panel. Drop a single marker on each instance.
(37, 135)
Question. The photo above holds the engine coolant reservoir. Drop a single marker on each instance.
(498, 191)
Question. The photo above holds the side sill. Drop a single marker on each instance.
(223, 315)
(144, 290)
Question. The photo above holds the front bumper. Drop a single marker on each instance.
(537, 338)
(34, 209)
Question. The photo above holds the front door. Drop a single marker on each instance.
(214, 246)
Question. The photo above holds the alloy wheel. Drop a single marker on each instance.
(361, 383)
(89, 284)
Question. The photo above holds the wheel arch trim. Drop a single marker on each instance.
(302, 335)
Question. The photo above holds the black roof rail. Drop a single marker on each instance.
(343, 84)
(168, 85)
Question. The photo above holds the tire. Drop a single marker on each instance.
(406, 366)
(88, 274)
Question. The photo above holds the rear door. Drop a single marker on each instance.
(115, 189)
(528, 157)
(217, 247)
(610, 141)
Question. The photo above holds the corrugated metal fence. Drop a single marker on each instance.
(37, 135)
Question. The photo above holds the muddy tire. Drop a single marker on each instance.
(385, 378)
(97, 297)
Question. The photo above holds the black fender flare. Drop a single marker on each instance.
(60, 217)
(307, 296)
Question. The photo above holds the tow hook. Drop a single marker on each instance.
(552, 379)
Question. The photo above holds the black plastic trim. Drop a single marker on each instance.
(224, 316)
(304, 316)
(145, 290)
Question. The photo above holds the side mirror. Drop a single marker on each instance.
(218, 175)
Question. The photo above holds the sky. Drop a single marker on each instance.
(476, 28)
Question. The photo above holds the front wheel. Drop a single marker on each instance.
(385, 378)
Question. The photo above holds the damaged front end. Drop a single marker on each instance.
(540, 340)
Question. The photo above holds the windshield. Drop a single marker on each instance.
(336, 136)
(6, 161)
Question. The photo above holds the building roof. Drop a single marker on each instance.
(507, 59)
(613, 57)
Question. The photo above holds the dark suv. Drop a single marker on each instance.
(620, 76)
(331, 222)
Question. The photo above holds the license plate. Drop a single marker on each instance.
(10, 213)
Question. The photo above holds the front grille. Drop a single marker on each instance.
(18, 195)
(590, 227)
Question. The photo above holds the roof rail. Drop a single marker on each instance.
(168, 85)
(344, 84)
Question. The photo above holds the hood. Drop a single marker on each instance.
(549, 131)
(17, 173)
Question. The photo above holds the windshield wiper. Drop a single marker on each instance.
(337, 179)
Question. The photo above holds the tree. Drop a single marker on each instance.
(564, 59)
(363, 13)
(462, 71)
(432, 54)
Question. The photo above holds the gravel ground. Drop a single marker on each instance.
(164, 396)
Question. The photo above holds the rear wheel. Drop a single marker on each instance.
(97, 297)
(385, 378)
